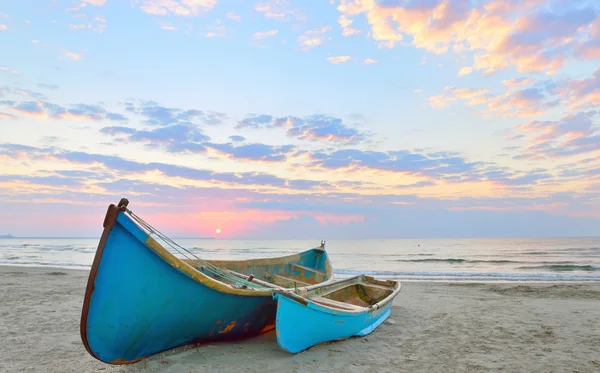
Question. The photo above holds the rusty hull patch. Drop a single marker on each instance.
(228, 328)
(121, 361)
(267, 328)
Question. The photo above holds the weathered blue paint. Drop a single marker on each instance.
(139, 304)
(302, 323)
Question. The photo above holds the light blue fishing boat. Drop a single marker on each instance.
(141, 299)
(339, 310)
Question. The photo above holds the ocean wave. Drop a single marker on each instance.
(564, 268)
(453, 260)
(29, 263)
(569, 251)
(48, 248)
(470, 275)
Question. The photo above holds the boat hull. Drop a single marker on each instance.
(141, 301)
(320, 324)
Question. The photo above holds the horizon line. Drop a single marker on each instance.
(305, 239)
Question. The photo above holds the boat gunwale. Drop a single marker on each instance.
(304, 298)
(184, 267)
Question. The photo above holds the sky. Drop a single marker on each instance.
(301, 119)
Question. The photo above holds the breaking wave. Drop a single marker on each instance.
(564, 268)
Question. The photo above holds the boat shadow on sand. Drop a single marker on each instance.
(204, 356)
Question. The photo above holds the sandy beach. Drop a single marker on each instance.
(434, 327)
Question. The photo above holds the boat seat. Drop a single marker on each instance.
(287, 280)
(301, 267)
(255, 280)
(336, 304)
(377, 286)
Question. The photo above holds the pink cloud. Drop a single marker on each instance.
(589, 50)
(177, 7)
(513, 103)
(574, 134)
(338, 59)
(345, 23)
(73, 56)
(313, 38)
(95, 2)
(265, 34)
(522, 34)
(280, 10)
(581, 93)
(513, 83)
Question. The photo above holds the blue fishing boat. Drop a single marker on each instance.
(334, 311)
(142, 299)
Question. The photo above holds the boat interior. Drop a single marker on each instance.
(363, 291)
(310, 268)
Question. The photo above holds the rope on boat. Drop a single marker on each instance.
(205, 265)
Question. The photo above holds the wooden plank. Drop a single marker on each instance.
(336, 304)
(377, 286)
(291, 281)
(255, 280)
(293, 265)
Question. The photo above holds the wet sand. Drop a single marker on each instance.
(434, 327)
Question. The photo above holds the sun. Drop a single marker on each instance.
(218, 230)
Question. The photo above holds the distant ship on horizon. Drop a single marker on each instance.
(6, 236)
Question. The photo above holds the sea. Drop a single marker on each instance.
(555, 260)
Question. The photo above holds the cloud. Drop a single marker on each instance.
(436, 165)
(574, 134)
(6, 69)
(338, 59)
(254, 152)
(168, 27)
(157, 115)
(47, 86)
(189, 138)
(465, 71)
(121, 166)
(6, 116)
(95, 2)
(580, 93)
(236, 138)
(217, 30)
(22, 92)
(315, 127)
(280, 10)
(3, 27)
(116, 117)
(313, 38)
(589, 50)
(369, 61)
(73, 56)
(186, 8)
(265, 34)
(515, 83)
(324, 128)
(345, 23)
(234, 16)
(525, 102)
(257, 121)
(44, 110)
(532, 36)
(175, 138)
